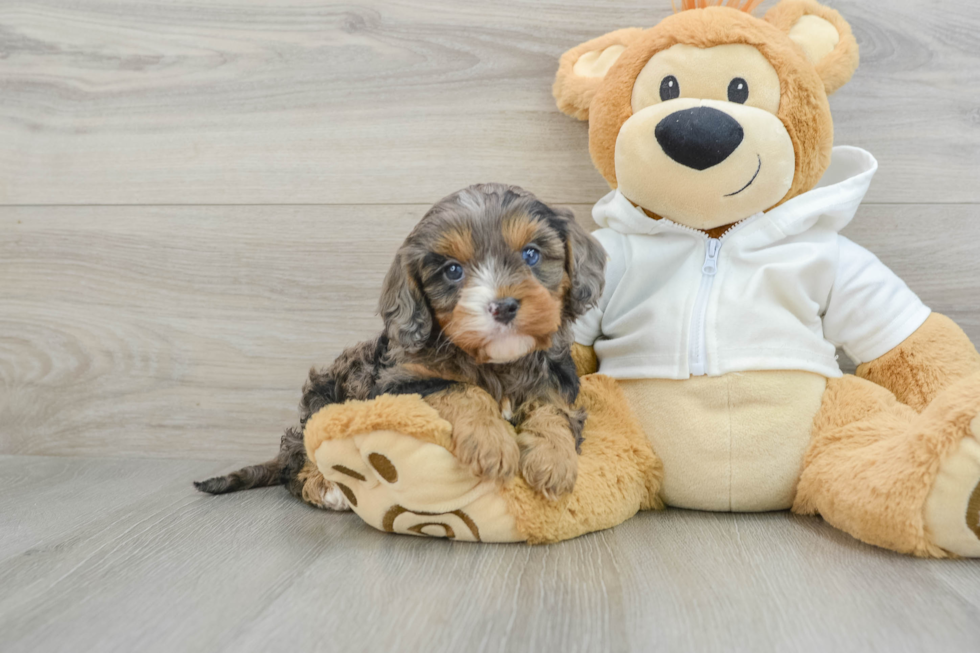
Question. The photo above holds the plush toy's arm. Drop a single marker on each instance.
(585, 359)
(881, 323)
(870, 310)
(934, 357)
(588, 327)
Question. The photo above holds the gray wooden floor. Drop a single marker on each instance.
(120, 555)
(198, 201)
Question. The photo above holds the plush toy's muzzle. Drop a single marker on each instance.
(704, 162)
(700, 137)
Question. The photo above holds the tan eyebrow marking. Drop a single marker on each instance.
(456, 243)
(519, 230)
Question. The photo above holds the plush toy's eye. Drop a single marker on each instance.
(453, 271)
(531, 256)
(669, 88)
(738, 90)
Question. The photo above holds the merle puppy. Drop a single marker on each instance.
(477, 308)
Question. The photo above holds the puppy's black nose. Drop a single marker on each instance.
(700, 137)
(504, 310)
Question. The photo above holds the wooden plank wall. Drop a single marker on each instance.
(198, 199)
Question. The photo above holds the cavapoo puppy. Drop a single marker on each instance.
(477, 309)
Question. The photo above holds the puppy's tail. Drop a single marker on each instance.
(281, 470)
(264, 475)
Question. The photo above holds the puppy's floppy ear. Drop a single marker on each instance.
(403, 307)
(586, 263)
(824, 36)
(582, 69)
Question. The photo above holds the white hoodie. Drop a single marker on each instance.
(778, 291)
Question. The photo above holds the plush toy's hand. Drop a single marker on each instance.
(934, 357)
(585, 359)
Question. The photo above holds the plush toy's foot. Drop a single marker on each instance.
(895, 478)
(952, 511)
(391, 457)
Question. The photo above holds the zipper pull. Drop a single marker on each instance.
(710, 266)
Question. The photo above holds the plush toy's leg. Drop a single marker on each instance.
(875, 465)
(936, 357)
(392, 459)
(618, 473)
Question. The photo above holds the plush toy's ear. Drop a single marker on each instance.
(582, 69)
(824, 35)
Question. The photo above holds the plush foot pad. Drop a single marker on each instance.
(389, 458)
(952, 511)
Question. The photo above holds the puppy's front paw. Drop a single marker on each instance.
(489, 450)
(547, 466)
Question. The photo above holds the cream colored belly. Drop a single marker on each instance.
(731, 443)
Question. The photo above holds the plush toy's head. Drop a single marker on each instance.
(712, 115)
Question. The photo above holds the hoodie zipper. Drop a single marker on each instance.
(696, 350)
(697, 354)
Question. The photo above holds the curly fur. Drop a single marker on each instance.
(480, 227)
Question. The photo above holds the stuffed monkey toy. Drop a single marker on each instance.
(728, 289)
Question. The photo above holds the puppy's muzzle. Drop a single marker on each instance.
(699, 138)
(504, 310)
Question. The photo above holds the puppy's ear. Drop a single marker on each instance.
(406, 314)
(586, 262)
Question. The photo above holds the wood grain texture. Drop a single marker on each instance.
(187, 331)
(153, 330)
(180, 323)
(301, 101)
(173, 570)
(77, 497)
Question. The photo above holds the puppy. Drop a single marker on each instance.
(477, 309)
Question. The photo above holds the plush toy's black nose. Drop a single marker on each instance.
(700, 137)
(504, 310)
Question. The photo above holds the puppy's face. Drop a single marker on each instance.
(494, 270)
(497, 285)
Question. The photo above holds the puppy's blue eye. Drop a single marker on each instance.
(454, 271)
(531, 255)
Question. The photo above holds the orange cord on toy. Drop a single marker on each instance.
(748, 6)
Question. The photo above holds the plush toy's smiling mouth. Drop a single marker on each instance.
(750, 180)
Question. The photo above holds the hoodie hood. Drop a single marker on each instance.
(833, 202)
